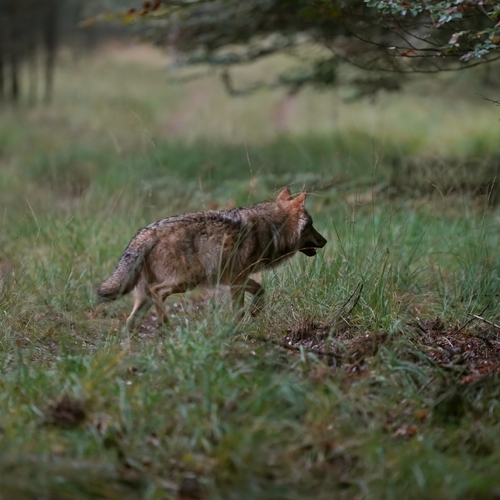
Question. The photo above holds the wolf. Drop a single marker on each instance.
(226, 247)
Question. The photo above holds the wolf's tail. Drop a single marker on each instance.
(129, 267)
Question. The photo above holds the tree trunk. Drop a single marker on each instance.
(50, 38)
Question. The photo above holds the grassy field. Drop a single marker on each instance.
(366, 376)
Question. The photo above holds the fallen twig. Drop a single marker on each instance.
(494, 101)
(359, 289)
(420, 326)
(485, 320)
(319, 352)
(350, 296)
(427, 383)
(472, 319)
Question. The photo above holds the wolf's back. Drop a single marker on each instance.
(129, 266)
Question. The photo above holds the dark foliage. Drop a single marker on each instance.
(392, 37)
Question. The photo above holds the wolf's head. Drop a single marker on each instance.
(307, 239)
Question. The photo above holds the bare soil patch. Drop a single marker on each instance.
(473, 353)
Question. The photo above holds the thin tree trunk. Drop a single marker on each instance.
(51, 39)
(2, 64)
(14, 64)
(32, 61)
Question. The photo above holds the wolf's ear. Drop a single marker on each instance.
(285, 194)
(300, 200)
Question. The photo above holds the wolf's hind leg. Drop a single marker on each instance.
(161, 292)
(142, 304)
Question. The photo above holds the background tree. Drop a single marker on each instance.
(388, 38)
(31, 32)
(27, 27)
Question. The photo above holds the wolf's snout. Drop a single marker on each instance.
(321, 242)
(318, 240)
(315, 241)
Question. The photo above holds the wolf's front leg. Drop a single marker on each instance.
(238, 297)
(238, 300)
(257, 304)
(160, 309)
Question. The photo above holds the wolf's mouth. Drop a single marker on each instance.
(309, 251)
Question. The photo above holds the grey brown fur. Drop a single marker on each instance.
(178, 253)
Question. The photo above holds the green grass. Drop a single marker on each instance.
(402, 189)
